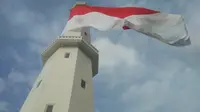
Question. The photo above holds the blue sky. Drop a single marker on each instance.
(137, 73)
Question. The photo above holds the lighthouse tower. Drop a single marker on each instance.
(65, 82)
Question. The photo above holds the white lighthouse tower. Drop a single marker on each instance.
(65, 82)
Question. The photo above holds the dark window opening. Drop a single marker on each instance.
(67, 55)
(39, 83)
(85, 33)
(49, 108)
(83, 84)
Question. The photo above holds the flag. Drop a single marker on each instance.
(168, 28)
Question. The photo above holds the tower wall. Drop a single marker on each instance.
(65, 84)
(61, 84)
(82, 99)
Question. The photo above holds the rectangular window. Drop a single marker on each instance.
(67, 55)
(39, 83)
(83, 84)
(49, 108)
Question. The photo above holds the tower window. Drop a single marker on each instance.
(67, 55)
(39, 83)
(83, 84)
(85, 33)
(49, 108)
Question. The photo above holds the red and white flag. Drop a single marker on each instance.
(168, 28)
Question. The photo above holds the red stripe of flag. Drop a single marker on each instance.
(120, 12)
(125, 27)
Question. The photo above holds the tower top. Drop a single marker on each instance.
(84, 32)
(79, 3)
(79, 38)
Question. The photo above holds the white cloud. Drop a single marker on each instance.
(16, 56)
(2, 85)
(18, 77)
(115, 59)
(173, 85)
(112, 55)
(37, 27)
(193, 26)
(148, 87)
(3, 106)
(146, 97)
(97, 110)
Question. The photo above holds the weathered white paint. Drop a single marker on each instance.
(61, 77)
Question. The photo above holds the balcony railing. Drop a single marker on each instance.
(70, 37)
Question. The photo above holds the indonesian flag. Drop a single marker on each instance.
(168, 28)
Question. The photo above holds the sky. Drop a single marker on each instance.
(136, 73)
